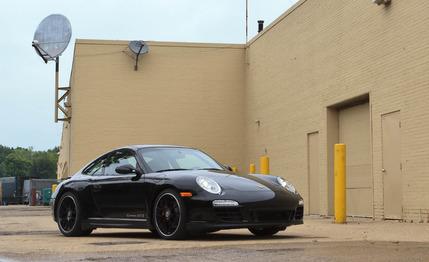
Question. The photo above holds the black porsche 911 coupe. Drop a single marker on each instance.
(173, 191)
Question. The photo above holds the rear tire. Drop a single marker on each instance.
(69, 216)
(169, 215)
(264, 231)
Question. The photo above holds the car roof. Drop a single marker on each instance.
(136, 147)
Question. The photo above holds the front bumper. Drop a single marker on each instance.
(52, 205)
(243, 217)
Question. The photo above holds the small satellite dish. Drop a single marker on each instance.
(52, 37)
(138, 47)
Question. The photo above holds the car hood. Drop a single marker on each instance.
(230, 181)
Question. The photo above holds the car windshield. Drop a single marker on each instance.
(175, 158)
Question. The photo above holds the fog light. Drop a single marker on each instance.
(301, 202)
(225, 203)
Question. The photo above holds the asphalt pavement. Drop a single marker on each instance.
(29, 234)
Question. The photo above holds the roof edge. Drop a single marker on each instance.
(160, 43)
(275, 22)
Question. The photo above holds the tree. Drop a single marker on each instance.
(27, 162)
(16, 163)
(4, 151)
(44, 164)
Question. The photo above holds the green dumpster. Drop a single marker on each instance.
(46, 196)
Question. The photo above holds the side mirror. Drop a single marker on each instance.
(125, 169)
(228, 167)
(129, 169)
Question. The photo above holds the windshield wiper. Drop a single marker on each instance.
(171, 169)
(210, 168)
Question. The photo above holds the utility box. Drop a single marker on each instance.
(34, 191)
(46, 196)
(9, 193)
(26, 192)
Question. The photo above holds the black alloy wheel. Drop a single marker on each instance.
(264, 231)
(69, 216)
(169, 215)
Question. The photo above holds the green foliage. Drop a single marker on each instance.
(28, 163)
(4, 151)
(16, 163)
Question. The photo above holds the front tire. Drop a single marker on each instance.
(169, 215)
(264, 231)
(69, 216)
(154, 232)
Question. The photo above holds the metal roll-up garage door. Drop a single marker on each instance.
(354, 131)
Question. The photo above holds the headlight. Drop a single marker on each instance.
(286, 185)
(208, 185)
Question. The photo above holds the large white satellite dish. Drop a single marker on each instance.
(52, 37)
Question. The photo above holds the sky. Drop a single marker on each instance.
(27, 83)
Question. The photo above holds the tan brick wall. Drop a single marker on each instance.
(64, 155)
(182, 94)
(324, 52)
(318, 54)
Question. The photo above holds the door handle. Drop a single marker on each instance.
(383, 170)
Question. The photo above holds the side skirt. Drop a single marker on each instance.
(117, 222)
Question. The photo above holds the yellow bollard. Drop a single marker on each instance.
(252, 169)
(340, 183)
(53, 187)
(234, 169)
(264, 163)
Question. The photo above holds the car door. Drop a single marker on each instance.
(117, 195)
(95, 172)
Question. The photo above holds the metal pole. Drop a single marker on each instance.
(57, 69)
(137, 58)
(340, 183)
(252, 169)
(264, 165)
(247, 20)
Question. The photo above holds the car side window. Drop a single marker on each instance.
(96, 169)
(117, 159)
